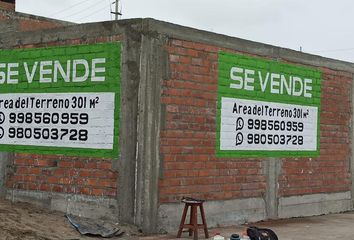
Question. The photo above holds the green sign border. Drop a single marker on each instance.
(258, 63)
(112, 52)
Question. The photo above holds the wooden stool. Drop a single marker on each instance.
(193, 225)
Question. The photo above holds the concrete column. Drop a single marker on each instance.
(272, 167)
(5, 159)
(128, 131)
(152, 68)
(352, 146)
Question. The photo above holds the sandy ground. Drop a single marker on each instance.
(325, 227)
(22, 221)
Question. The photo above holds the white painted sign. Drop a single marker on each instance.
(72, 120)
(258, 125)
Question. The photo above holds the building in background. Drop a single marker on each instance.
(13, 21)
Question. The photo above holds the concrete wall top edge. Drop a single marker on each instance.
(79, 31)
(247, 46)
(21, 15)
(170, 30)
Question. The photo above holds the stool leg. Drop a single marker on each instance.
(204, 221)
(190, 230)
(195, 222)
(182, 221)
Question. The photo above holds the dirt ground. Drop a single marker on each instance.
(325, 227)
(22, 221)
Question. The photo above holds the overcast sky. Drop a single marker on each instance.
(322, 27)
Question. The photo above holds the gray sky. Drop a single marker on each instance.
(322, 27)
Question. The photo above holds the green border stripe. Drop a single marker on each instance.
(111, 51)
(228, 60)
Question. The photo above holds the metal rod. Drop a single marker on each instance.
(116, 10)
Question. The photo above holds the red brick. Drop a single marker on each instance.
(85, 173)
(58, 172)
(34, 170)
(91, 165)
(18, 178)
(79, 164)
(66, 164)
(45, 163)
(32, 186)
(104, 165)
(45, 187)
(24, 161)
(110, 192)
(65, 180)
(84, 190)
(71, 172)
(58, 188)
(22, 170)
(92, 182)
(98, 192)
(53, 180)
(107, 183)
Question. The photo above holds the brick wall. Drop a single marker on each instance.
(51, 173)
(190, 166)
(26, 22)
(330, 172)
(63, 174)
(7, 6)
